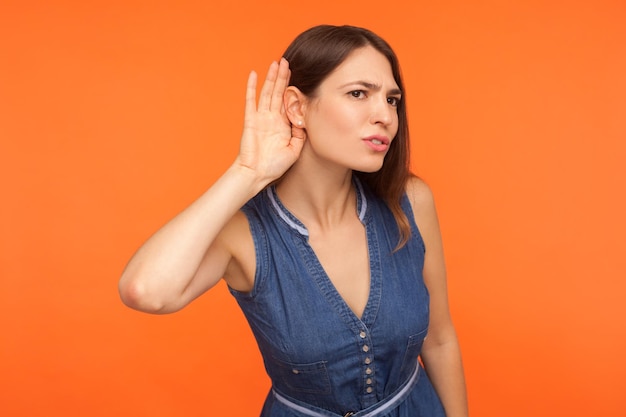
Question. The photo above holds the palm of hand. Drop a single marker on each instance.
(269, 144)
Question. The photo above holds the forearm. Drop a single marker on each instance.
(444, 367)
(160, 271)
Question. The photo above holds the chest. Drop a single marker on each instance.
(320, 296)
(344, 257)
(341, 302)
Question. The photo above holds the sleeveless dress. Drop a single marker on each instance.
(322, 359)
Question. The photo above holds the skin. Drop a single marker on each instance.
(312, 144)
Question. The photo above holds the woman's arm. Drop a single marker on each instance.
(441, 353)
(162, 276)
(193, 251)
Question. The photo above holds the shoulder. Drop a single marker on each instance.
(424, 212)
(420, 196)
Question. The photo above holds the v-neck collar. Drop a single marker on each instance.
(294, 223)
(316, 270)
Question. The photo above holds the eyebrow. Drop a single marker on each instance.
(372, 86)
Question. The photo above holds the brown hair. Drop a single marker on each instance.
(312, 56)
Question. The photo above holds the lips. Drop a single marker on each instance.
(377, 143)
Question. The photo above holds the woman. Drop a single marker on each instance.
(329, 245)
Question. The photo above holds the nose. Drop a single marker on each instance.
(382, 112)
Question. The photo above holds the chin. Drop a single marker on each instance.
(368, 168)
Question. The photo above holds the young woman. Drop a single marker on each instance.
(328, 243)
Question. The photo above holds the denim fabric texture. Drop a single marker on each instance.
(316, 351)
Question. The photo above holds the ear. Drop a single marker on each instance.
(295, 106)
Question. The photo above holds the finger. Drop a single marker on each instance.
(282, 79)
(298, 137)
(298, 132)
(251, 94)
(283, 110)
(265, 98)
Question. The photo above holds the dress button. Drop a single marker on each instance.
(368, 381)
(368, 371)
(295, 371)
(366, 348)
(369, 390)
(368, 360)
(362, 334)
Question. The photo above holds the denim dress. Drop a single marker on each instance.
(322, 359)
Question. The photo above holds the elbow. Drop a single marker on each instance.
(135, 295)
(130, 294)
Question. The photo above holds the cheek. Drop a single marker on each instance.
(338, 119)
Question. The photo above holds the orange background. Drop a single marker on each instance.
(115, 115)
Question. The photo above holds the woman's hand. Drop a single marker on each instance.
(269, 144)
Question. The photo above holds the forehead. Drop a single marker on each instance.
(364, 64)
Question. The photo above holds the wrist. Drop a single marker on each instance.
(247, 177)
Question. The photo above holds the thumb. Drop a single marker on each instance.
(298, 137)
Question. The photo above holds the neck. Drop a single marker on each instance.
(321, 197)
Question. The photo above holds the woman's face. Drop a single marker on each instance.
(353, 116)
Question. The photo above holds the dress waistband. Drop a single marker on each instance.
(375, 410)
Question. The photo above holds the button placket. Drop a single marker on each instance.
(368, 371)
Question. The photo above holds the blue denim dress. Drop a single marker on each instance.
(322, 359)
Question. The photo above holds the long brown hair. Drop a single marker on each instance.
(312, 56)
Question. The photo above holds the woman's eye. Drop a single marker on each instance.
(394, 101)
(357, 93)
